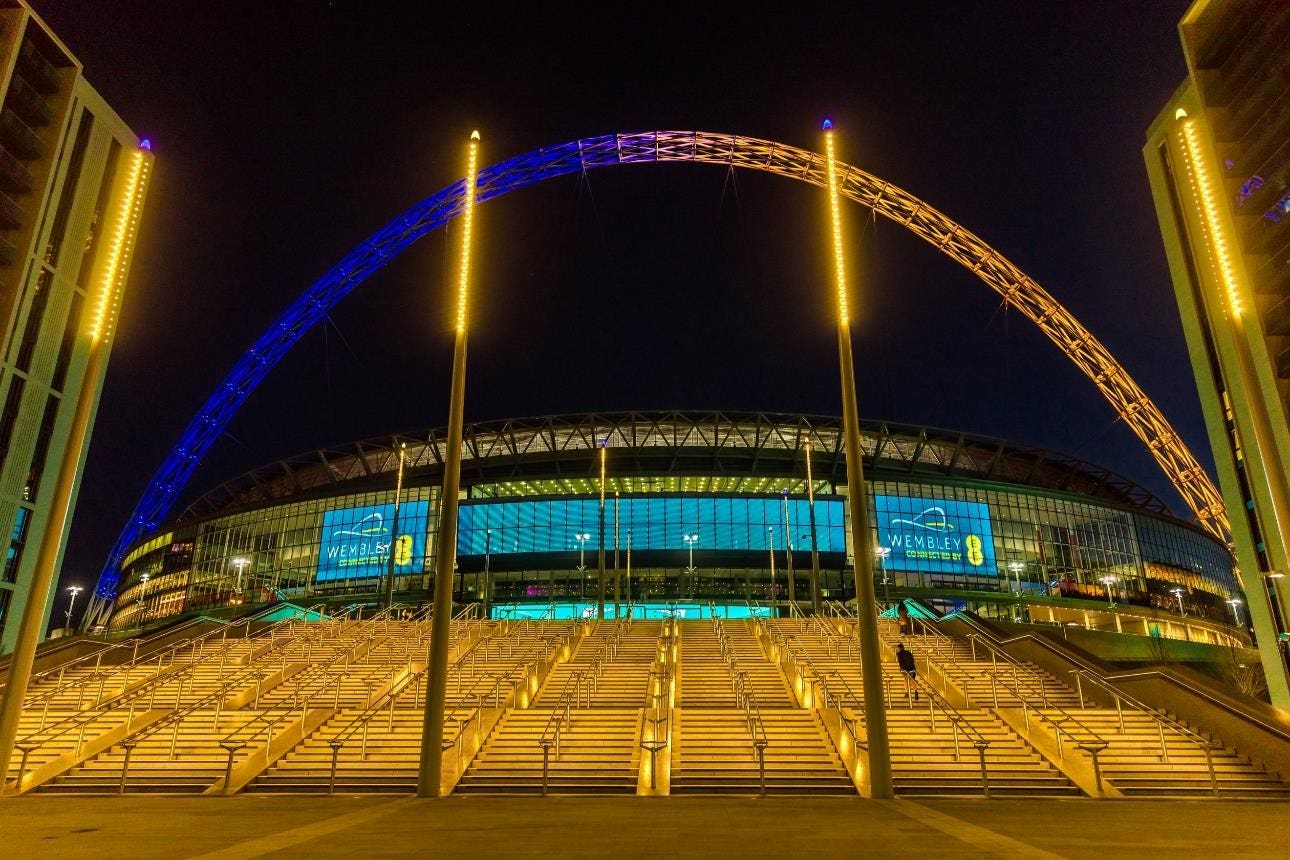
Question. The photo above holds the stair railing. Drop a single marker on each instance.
(657, 700)
(757, 731)
(146, 691)
(561, 715)
(958, 724)
(1063, 724)
(1161, 719)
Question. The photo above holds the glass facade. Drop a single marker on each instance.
(930, 535)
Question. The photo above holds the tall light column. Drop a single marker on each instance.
(121, 237)
(394, 529)
(429, 777)
(788, 560)
(600, 577)
(815, 550)
(866, 608)
(618, 585)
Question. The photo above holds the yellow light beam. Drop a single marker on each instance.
(835, 211)
(467, 222)
(1203, 186)
(120, 245)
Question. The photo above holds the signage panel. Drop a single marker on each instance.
(937, 535)
(355, 542)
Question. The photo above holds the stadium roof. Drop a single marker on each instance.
(671, 442)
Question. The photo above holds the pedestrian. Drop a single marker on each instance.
(905, 659)
(903, 620)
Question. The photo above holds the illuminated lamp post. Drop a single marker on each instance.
(394, 530)
(429, 775)
(1109, 581)
(1017, 567)
(72, 591)
(143, 597)
(690, 541)
(880, 553)
(121, 225)
(629, 573)
(770, 540)
(582, 538)
(815, 551)
(488, 573)
(788, 559)
(1235, 603)
(618, 584)
(866, 608)
(1178, 593)
(240, 563)
(600, 573)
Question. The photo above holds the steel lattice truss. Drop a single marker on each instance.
(949, 237)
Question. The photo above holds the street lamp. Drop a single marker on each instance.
(582, 538)
(1017, 567)
(770, 538)
(1235, 603)
(1109, 582)
(72, 591)
(143, 594)
(690, 541)
(880, 553)
(240, 563)
(1178, 593)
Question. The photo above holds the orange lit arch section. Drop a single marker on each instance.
(648, 147)
(1000, 274)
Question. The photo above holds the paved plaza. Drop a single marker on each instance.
(248, 826)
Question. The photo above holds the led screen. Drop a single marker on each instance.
(356, 541)
(655, 522)
(564, 611)
(936, 535)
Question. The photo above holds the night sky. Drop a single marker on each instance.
(288, 132)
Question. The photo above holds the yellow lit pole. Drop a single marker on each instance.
(600, 578)
(815, 552)
(866, 614)
(618, 591)
(430, 775)
(121, 240)
(394, 529)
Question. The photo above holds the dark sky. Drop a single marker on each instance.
(287, 132)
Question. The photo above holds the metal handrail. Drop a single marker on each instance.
(1092, 743)
(958, 723)
(986, 635)
(81, 719)
(757, 730)
(561, 714)
(1161, 719)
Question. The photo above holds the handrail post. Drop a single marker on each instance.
(985, 775)
(1164, 747)
(1097, 771)
(1209, 762)
(125, 767)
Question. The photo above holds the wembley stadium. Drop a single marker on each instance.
(701, 512)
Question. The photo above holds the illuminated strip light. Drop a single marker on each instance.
(835, 210)
(121, 246)
(1203, 190)
(468, 219)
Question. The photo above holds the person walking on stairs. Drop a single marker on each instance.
(905, 659)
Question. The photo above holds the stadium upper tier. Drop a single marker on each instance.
(700, 444)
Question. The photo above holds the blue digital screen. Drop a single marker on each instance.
(937, 535)
(574, 611)
(356, 541)
(655, 523)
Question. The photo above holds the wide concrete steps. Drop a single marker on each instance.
(927, 761)
(599, 754)
(714, 754)
(196, 763)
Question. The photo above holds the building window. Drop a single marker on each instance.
(91, 240)
(70, 328)
(35, 318)
(43, 441)
(17, 541)
(12, 403)
(68, 194)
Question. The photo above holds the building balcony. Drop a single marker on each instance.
(28, 103)
(11, 214)
(15, 178)
(8, 253)
(41, 73)
(18, 137)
